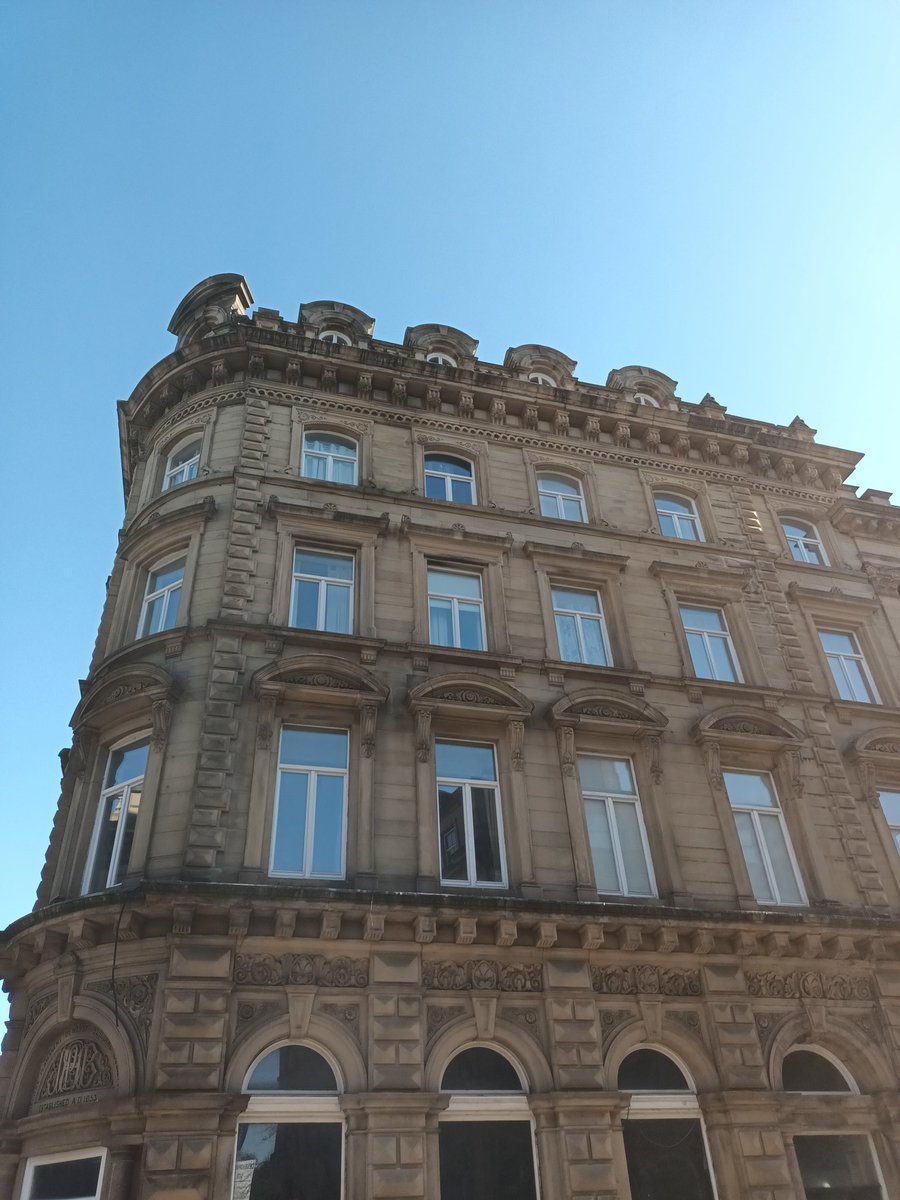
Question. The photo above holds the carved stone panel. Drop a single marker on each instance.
(646, 980)
(77, 1070)
(301, 969)
(136, 994)
(482, 973)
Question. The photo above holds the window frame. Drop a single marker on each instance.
(645, 400)
(127, 788)
(599, 618)
(815, 1129)
(815, 537)
(677, 518)
(540, 474)
(168, 471)
(323, 582)
(40, 1160)
(761, 845)
(329, 457)
(468, 819)
(433, 565)
(542, 379)
(725, 636)
(311, 805)
(430, 473)
(440, 358)
(166, 592)
(812, 1048)
(609, 800)
(334, 337)
(859, 657)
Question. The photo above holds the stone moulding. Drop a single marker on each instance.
(271, 969)
(482, 974)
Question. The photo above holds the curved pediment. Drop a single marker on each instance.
(443, 339)
(883, 740)
(325, 673)
(320, 315)
(745, 722)
(460, 692)
(558, 366)
(596, 705)
(141, 683)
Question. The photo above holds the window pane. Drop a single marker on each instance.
(337, 608)
(153, 615)
(605, 872)
(667, 526)
(572, 601)
(703, 667)
(631, 846)
(858, 684)
(806, 1071)
(549, 506)
(446, 583)
(793, 530)
(440, 622)
(300, 1161)
(315, 466)
(572, 510)
(128, 763)
(558, 483)
(606, 775)
(106, 841)
(890, 804)
(457, 761)
(71, 1180)
(750, 790)
(470, 634)
(306, 604)
(759, 881)
(723, 662)
(837, 1167)
(594, 648)
(166, 576)
(666, 1160)
(453, 833)
(480, 1069)
(486, 1160)
(648, 1070)
(486, 835)
(435, 487)
(779, 856)
(326, 443)
(837, 643)
(674, 504)
(292, 1069)
(328, 831)
(313, 748)
(461, 491)
(129, 816)
(448, 466)
(169, 614)
(289, 848)
(710, 619)
(343, 471)
(324, 566)
(185, 454)
(567, 633)
(687, 529)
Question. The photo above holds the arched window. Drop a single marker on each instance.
(542, 378)
(329, 457)
(334, 338)
(651, 1071)
(677, 517)
(804, 542)
(486, 1150)
(182, 464)
(440, 359)
(810, 1071)
(449, 478)
(561, 497)
(278, 1156)
(644, 398)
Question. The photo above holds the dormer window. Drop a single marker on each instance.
(804, 542)
(644, 398)
(440, 359)
(543, 379)
(334, 337)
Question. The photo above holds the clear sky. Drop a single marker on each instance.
(707, 188)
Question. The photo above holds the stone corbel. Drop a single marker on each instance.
(368, 718)
(794, 764)
(161, 715)
(654, 742)
(423, 734)
(516, 733)
(84, 742)
(713, 762)
(566, 736)
(265, 725)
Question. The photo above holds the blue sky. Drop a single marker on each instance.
(710, 189)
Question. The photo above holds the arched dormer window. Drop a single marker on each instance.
(561, 497)
(334, 337)
(678, 517)
(646, 399)
(183, 463)
(449, 478)
(807, 1070)
(542, 378)
(329, 457)
(804, 542)
(440, 359)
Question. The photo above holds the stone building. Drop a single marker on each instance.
(486, 785)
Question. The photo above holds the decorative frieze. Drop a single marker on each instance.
(271, 970)
(482, 974)
(646, 980)
(810, 985)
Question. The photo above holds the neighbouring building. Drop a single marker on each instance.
(486, 785)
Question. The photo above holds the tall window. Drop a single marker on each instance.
(469, 820)
(835, 1166)
(890, 806)
(677, 517)
(329, 457)
(580, 627)
(334, 338)
(440, 359)
(804, 542)
(117, 813)
(773, 871)
(75, 1175)
(455, 610)
(710, 644)
(449, 478)
(182, 464)
(309, 828)
(322, 594)
(615, 825)
(849, 669)
(543, 379)
(162, 596)
(561, 497)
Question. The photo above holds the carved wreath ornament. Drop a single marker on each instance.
(810, 985)
(482, 973)
(301, 969)
(629, 981)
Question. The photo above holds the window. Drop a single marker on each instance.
(580, 627)
(677, 517)
(455, 610)
(309, 825)
(848, 667)
(808, 1071)
(116, 817)
(76, 1175)
(837, 1166)
(182, 464)
(647, 1070)
(292, 1069)
(334, 338)
(890, 806)
(322, 591)
(615, 827)
(328, 457)
(469, 820)
(162, 596)
(541, 378)
(439, 359)
(561, 497)
(804, 542)
(764, 840)
(708, 639)
(449, 478)
(480, 1069)
(643, 398)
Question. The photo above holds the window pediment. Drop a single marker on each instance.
(440, 339)
(542, 359)
(132, 686)
(325, 678)
(878, 744)
(607, 711)
(748, 727)
(461, 695)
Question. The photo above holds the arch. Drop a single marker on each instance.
(461, 693)
(595, 707)
(323, 1034)
(318, 1071)
(136, 685)
(839, 1038)
(688, 1054)
(512, 1042)
(475, 1068)
(883, 739)
(318, 315)
(544, 359)
(306, 672)
(649, 1063)
(441, 339)
(743, 721)
(834, 1071)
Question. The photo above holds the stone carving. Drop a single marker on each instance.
(652, 440)
(136, 994)
(681, 445)
(433, 399)
(478, 974)
(592, 429)
(466, 405)
(622, 434)
(188, 383)
(35, 1008)
(320, 680)
(498, 411)
(831, 479)
(885, 747)
(346, 1014)
(219, 373)
(128, 689)
(740, 455)
(293, 374)
(423, 734)
(257, 367)
(809, 475)
(328, 379)
(646, 980)
(785, 468)
(528, 1018)
(530, 416)
(711, 450)
(364, 386)
(467, 696)
(689, 1020)
(78, 1065)
(561, 424)
(763, 464)
(610, 711)
(256, 1010)
(272, 969)
(517, 745)
(611, 1019)
(794, 985)
(368, 718)
(440, 1015)
(738, 726)
(398, 391)
(161, 715)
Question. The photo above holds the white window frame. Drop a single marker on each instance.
(432, 473)
(294, 1108)
(858, 658)
(323, 582)
(164, 593)
(599, 617)
(608, 798)
(646, 399)
(893, 830)
(68, 1156)
(454, 605)
(334, 337)
(126, 787)
(329, 457)
(440, 359)
(312, 774)
(468, 820)
(191, 465)
(678, 518)
(777, 810)
(816, 1131)
(724, 635)
(541, 378)
(543, 491)
(810, 548)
